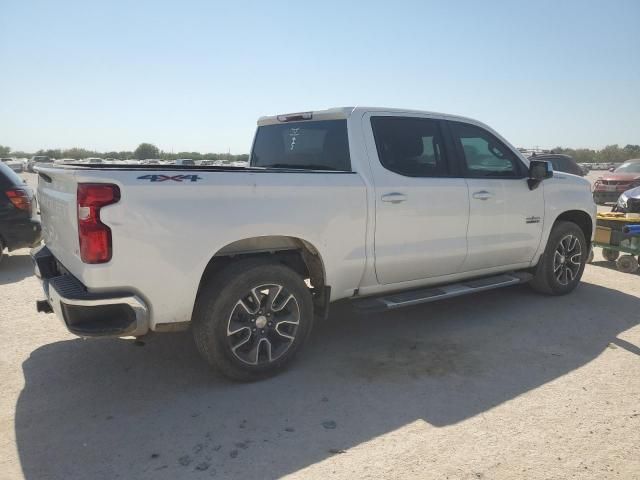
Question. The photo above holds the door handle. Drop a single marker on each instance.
(482, 195)
(394, 197)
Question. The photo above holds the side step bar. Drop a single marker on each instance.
(432, 294)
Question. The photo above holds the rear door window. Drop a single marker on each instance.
(410, 146)
(315, 145)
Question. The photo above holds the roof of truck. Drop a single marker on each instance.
(345, 112)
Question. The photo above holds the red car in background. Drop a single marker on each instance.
(610, 186)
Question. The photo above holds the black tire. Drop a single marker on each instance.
(2, 247)
(226, 304)
(568, 268)
(610, 255)
(627, 264)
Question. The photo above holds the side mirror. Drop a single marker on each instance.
(611, 169)
(539, 170)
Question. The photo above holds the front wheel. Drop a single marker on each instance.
(561, 266)
(252, 318)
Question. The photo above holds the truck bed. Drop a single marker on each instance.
(175, 219)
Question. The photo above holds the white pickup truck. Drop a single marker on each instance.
(384, 207)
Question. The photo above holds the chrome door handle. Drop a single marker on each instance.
(394, 197)
(482, 195)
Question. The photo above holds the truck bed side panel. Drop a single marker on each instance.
(165, 232)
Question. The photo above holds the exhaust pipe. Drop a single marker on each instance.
(44, 306)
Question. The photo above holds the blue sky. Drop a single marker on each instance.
(195, 75)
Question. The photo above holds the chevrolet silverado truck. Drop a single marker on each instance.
(383, 207)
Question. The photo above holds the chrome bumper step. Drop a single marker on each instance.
(432, 294)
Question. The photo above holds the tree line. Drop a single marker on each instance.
(609, 154)
(144, 151)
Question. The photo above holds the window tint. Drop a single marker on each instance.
(484, 154)
(410, 146)
(321, 145)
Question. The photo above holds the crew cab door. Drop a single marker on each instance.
(505, 216)
(421, 207)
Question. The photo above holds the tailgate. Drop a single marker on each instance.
(57, 190)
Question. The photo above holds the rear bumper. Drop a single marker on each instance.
(23, 233)
(87, 314)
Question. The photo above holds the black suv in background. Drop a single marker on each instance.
(18, 227)
(561, 163)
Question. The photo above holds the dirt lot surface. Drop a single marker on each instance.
(502, 385)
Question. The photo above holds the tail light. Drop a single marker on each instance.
(20, 198)
(95, 236)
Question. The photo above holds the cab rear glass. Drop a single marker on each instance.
(314, 145)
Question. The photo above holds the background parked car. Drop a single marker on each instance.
(94, 160)
(18, 226)
(36, 160)
(561, 163)
(610, 186)
(13, 164)
(586, 167)
(185, 161)
(629, 201)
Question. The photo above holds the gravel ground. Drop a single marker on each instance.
(501, 385)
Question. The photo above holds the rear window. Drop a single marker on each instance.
(8, 176)
(321, 145)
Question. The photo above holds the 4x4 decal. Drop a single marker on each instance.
(175, 178)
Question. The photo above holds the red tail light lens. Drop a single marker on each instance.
(20, 198)
(95, 236)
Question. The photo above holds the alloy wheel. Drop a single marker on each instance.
(567, 259)
(263, 324)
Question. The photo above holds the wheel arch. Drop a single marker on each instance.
(296, 253)
(580, 218)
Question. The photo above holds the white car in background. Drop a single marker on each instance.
(95, 160)
(185, 161)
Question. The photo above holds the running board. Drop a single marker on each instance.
(432, 294)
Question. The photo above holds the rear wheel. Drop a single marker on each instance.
(627, 264)
(610, 255)
(561, 266)
(252, 318)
